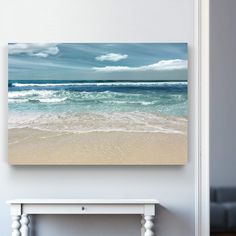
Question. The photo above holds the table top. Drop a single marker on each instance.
(83, 201)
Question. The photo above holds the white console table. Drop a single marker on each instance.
(22, 208)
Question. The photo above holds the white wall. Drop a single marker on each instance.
(99, 21)
(223, 90)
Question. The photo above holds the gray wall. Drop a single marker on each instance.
(223, 93)
(99, 21)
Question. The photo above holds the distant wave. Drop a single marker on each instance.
(156, 83)
(108, 98)
(163, 102)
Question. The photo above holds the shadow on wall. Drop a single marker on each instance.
(166, 223)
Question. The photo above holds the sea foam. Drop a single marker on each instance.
(99, 106)
(100, 122)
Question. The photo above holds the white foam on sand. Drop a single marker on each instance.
(99, 122)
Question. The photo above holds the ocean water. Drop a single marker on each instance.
(87, 106)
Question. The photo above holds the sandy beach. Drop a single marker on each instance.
(31, 146)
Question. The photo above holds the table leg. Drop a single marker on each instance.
(16, 225)
(25, 225)
(149, 225)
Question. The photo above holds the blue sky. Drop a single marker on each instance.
(97, 61)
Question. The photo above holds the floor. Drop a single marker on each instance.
(223, 234)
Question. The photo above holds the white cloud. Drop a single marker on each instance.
(111, 57)
(164, 65)
(34, 49)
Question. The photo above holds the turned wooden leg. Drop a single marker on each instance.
(149, 225)
(142, 225)
(25, 225)
(15, 225)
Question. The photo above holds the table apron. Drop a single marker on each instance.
(87, 209)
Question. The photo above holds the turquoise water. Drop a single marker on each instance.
(95, 105)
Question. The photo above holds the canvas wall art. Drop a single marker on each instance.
(97, 103)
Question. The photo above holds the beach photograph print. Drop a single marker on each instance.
(97, 103)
